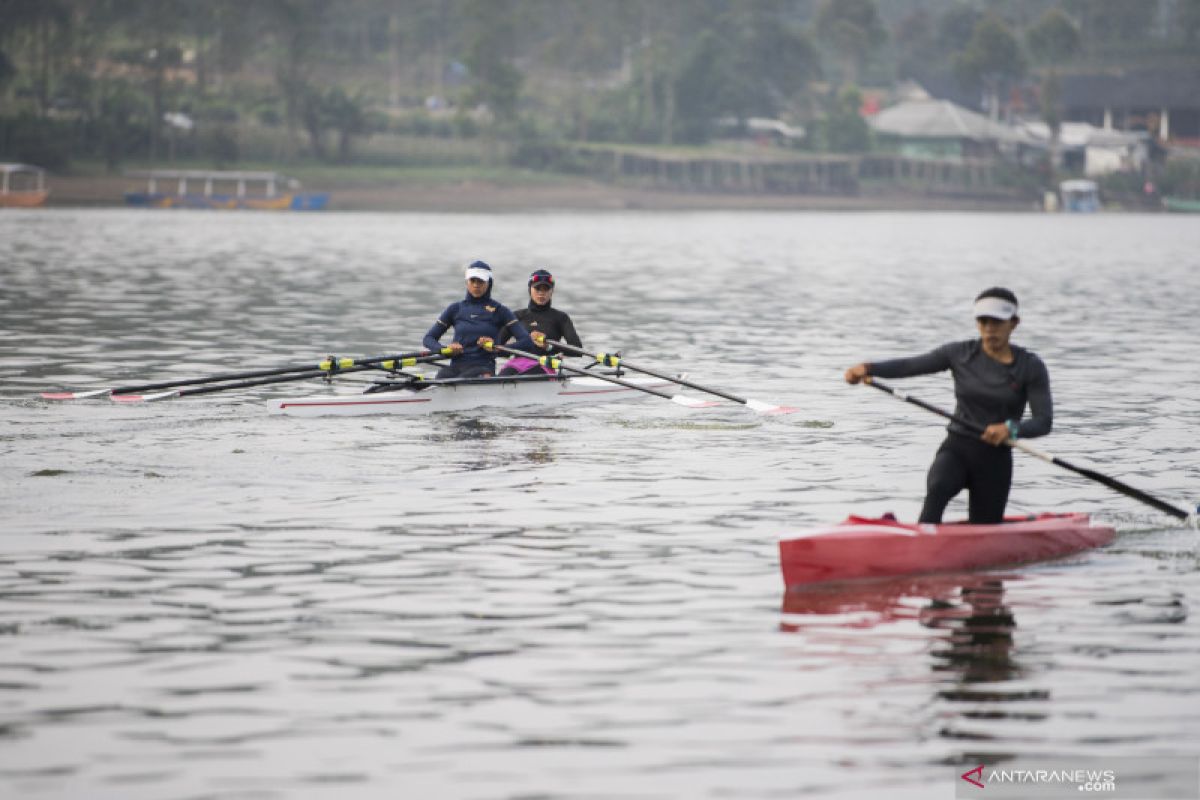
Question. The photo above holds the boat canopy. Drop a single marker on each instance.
(1080, 195)
(21, 177)
(271, 181)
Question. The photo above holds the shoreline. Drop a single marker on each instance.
(476, 196)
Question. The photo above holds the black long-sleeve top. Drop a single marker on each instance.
(986, 390)
(555, 324)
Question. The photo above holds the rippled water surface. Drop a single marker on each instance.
(199, 600)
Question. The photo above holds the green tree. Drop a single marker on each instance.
(35, 44)
(348, 116)
(496, 82)
(1054, 38)
(297, 26)
(853, 29)
(701, 89)
(1105, 23)
(955, 27)
(992, 60)
(843, 130)
(770, 63)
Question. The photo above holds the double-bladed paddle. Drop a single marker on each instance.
(327, 366)
(610, 360)
(1112, 483)
(556, 364)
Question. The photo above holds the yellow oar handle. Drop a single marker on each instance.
(607, 360)
(333, 364)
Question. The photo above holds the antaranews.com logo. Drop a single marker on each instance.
(1112, 778)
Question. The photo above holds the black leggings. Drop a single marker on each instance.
(972, 464)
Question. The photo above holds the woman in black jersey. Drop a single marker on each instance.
(993, 381)
(543, 322)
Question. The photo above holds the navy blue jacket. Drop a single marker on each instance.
(472, 318)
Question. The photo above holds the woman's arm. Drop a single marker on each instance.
(438, 330)
(1041, 404)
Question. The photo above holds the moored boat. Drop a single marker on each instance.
(861, 547)
(1181, 205)
(434, 396)
(22, 186)
(224, 189)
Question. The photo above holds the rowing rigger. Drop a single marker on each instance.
(435, 396)
(614, 360)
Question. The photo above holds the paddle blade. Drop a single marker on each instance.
(691, 402)
(143, 398)
(769, 408)
(73, 395)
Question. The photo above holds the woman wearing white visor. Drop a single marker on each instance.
(993, 382)
(478, 320)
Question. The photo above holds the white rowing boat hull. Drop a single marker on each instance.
(435, 398)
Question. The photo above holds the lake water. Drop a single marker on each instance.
(198, 600)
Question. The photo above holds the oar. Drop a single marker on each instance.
(556, 364)
(610, 360)
(1112, 483)
(365, 364)
(329, 364)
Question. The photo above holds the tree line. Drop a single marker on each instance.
(152, 79)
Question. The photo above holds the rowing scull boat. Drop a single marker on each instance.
(434, 396)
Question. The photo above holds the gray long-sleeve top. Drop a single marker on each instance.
(986, 390)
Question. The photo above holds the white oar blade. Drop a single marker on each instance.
(769, 408)
(143, 398)
(73, 395)
(691, 402)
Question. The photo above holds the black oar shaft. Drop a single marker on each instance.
(1110, 482)
(383, 362)
(329, 365)
(604, 358)
(229, 376)
(296, 376)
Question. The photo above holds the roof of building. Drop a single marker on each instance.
(1081, 134)
(941, 119)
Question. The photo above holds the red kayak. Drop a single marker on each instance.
(881, 548)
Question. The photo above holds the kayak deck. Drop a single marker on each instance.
(434, 396)
(862, 548)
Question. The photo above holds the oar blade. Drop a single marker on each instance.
(769, 408)
(692, 402)
(73, 395)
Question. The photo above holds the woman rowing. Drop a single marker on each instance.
(540, 318)
(993, 381)
(478, 320)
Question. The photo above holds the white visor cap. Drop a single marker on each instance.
(995, 307)
(484, 275)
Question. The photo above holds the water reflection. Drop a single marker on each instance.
(866, 604)
(979, 641)
(477, 443)
(974, 653)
